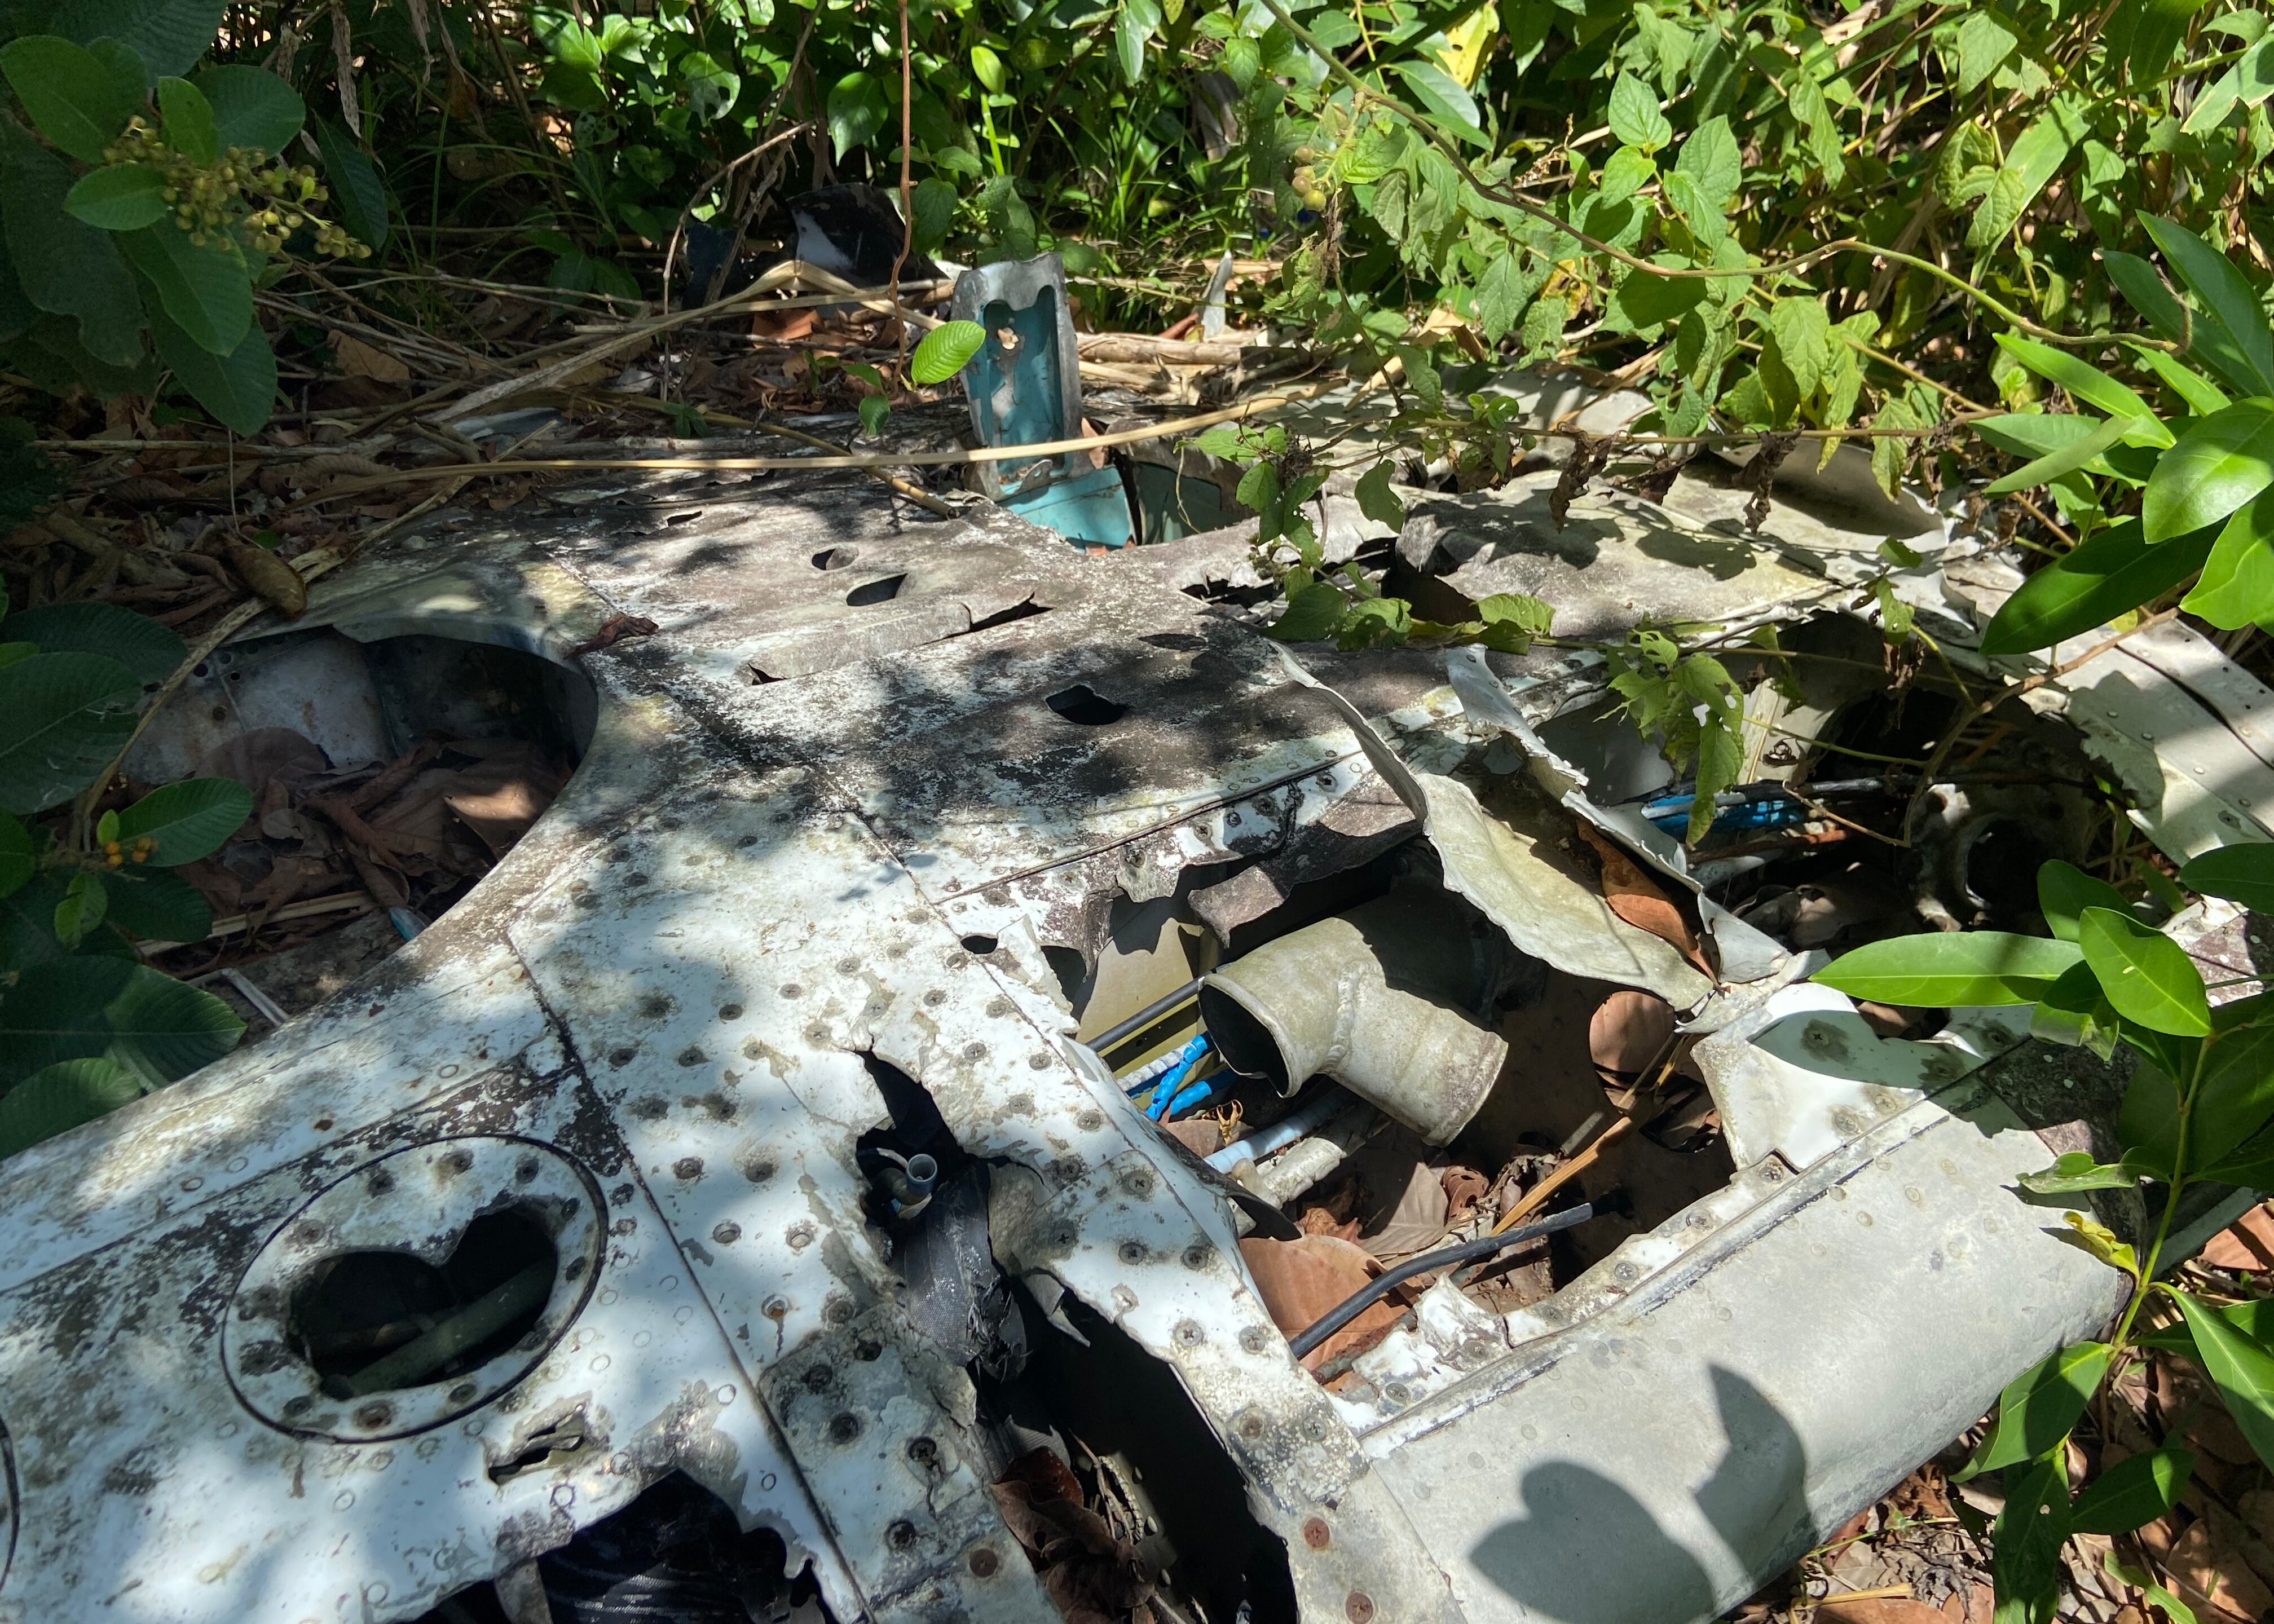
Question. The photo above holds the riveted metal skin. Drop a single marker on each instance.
(795, 811)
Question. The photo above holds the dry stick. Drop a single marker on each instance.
(915, 493)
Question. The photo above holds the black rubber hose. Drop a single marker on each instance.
(1467, 1252)
(1142, 1018)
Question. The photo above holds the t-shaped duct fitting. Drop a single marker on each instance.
(1383, 999)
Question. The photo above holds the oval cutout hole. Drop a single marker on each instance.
(875, 592)
(835, 557)
(980, 946)
(380, 1321)
(1085, 707)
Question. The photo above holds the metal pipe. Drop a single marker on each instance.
(1142, 1020)
(1294, 1125)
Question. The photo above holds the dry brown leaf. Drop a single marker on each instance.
(1300, 1280)
(2247, 1246)
(1881, 1610)
(1642, 902)
(359, 359)
(2207, 1567)
(268, 576)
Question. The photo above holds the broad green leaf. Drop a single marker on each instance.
(1644, 301)
(60, 1097)
(2078, 1171)
(62, 264)
(2223, 294)
(1624, 173)
(2171, 1607)
(190, 127)
(2146, 976)
(2220, 464)
(252, 107)
(2038, 1407)
(70, 94)
(2243, 873)
(207, 291)
(934, 200)
(1376, 501)
(157, 905)
(1443, 97)
(2235, 1096)
(2027, 1540)
(2247, 84)
(1711, 159)
(1802, 332)
(81, 910)
(1635, 116)
(2035, 156)
(81, 1007)
(63, 718)
(18, 857)
(1950, 970)
(945, 351)
(2253, 1317)
(1313, 613)
(2132, 1493)
(2147, 1122)
(1132, 31)
(987, 68)
(125, 196)
(2106, 433)
(2203, 396)
(2240, 1369)
(357, 189)
(711, 86)
(2205, 336)
(1510, 620)
(2064, 892)
(2237, 587)
(2072, 1010)
(857, 110)
(169, 35)
(186, 821)
(2106, 576)
(238, 388)
(2036, 434)
(150, 650)
(2082, 379)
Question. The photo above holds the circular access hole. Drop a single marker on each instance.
(370, 1322)
(835, 557)
(1085, 706)
(875, 591)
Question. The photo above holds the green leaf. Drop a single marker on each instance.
(2106, 432)
(2247, 84)
(2072, 1012)
(2223, 295)
(157, 905)
(945, 351)
(2203, 396)
(1985, 40)
(62, 264)
(711, 86)
(252, 107)
(857, 110)
(987, 68)
(190, 127)
(1510, 620)
(1635, 116)
(2171, 1607)
(2240, 1369)
(2237, 587)
(63, 718)
(126, 197)
(81, 1007)
(934, 200)
(2243, 873)
(2142, 33)
(2027, 1540)
(2078, 1171)
(2082, 379)
(874, 409)
(238, 388)
(186, 821)
(1802, 332)
(2146, 976)
(150, 650)
(1442, 95)
(2106, 576)
(2234, 1096)
(1376, 501)
(2132, 1493)
(81, 910)
(60, 1097)
(2220, 464)
(207, 291)
(169, 35)
(1132, 31)
(1950, 970)
(1710, 157)
(2063, 891)
(70, 94)
(1315, 613)
(18, 857)
(356, 186)
(2039, 1407)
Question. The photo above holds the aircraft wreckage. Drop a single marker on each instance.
(789, 1184)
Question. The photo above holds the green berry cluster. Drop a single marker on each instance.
(271, 198)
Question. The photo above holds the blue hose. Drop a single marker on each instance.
(1164, 1092)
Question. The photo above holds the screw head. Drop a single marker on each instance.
(1358, 1606)
(983, 1562)
(1315, 1533)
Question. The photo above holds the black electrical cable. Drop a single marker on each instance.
(1142, 1018)
(1467, 1252)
